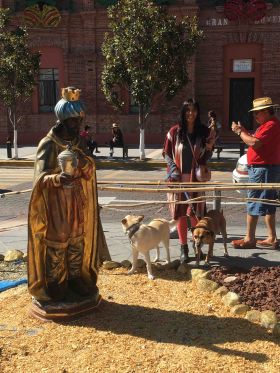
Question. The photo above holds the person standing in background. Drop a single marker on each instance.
(184, 140)
(263, 157)
(117, 138)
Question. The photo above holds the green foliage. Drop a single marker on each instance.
(18, 64)
(107, 3)
(146, 51)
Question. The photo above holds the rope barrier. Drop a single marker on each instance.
(200, 199)
(171, 187)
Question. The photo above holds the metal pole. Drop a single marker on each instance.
(217, 200)
(9, 148)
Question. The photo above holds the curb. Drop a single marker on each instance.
(131, 163)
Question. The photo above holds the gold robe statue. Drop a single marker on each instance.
(65, 236)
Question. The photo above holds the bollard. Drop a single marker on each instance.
(9, 149)
(217, 200)
(241, 148)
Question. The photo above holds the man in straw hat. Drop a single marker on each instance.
(263, 167)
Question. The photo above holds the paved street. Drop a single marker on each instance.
(13, 228)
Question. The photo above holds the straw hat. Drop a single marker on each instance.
(114, 125)
(262, 103)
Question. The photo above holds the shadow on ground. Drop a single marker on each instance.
(180, 328)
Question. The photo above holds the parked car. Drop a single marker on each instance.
(240, 173)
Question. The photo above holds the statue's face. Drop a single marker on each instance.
(72, 126)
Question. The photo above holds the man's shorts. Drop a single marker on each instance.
(267, 174)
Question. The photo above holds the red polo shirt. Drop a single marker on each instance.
(269, 153)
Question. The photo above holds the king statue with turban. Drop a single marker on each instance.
(66, 243)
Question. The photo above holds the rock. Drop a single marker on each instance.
(239, 309)
(163, 266)
(253, 316)
(140, 263)
(184, 269)
(110, 264)
(231, 299)
(196, 273)
(268, 319)
(175, 264)
(25, 258)
(13, 255)
(276, 330)
(221, 291)
(229, 279)
(207, 275)
(158, 266)
(1, 257)
(206, 285)
(126, 264)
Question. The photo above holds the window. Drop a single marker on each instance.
(133, 106)
(48, 89)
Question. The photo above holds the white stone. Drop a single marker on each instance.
(185, 270)
(13, 255)
(174, 264)
(141, 263)
(196, 272)
(126, 264)
(268, 319)
(239, 309)
(229, 279)
(276, 330)
(221, 291)
(231, 299)
(110, 264)
(206, 274)
(206, 285)
(253, 315)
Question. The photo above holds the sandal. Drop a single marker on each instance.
(268, 245)
(241, 244)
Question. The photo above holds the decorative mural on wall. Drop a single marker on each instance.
(41, 14)
(239, 10)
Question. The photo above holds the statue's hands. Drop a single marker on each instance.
(65, 179)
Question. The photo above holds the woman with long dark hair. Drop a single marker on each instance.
(185, 140)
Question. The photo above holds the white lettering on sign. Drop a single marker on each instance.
(268, 19)
(224, 21)
(242, 66)
(216, 22)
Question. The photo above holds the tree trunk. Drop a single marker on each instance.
(13, 121)
(15, 143)
(142, 134)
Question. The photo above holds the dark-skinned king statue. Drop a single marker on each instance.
(66, 243)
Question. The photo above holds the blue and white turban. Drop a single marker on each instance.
(69, 106)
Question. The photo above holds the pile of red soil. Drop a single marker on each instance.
(259, 288)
